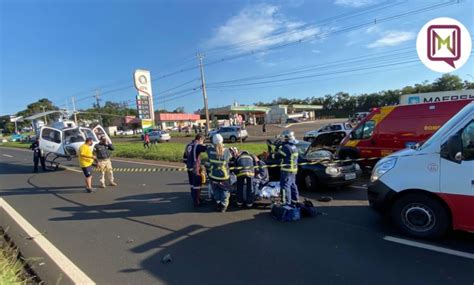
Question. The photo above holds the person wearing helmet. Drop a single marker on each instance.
(193, 163)
(245, 171)
(288, 153)
(219, 158)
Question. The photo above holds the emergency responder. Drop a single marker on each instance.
(288, 153)
(37, 156)
(261, 174)
(192, 159)
(102, 151)
(219, 158)
(245, 171)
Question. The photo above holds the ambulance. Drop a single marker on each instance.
(392, 128)
(429, 189)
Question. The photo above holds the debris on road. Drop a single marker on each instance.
(167, 259)
(325, 199)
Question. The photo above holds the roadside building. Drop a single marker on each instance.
(236, 114)
(173, 121)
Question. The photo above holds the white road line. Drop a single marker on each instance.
(429, 247)
(66, 265)
(7, 155)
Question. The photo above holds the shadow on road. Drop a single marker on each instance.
(311, 251)
(12, 168)
(152, 204)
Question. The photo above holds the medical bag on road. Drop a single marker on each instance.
(285, 213)
(307, 209)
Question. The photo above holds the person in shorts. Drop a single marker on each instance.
(86, 160)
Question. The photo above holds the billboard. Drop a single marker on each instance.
(144, 99)
(431, 97)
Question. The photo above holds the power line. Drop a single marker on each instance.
(306, 68)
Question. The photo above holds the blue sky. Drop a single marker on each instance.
(60, 49)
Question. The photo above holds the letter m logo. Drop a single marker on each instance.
(447, 42)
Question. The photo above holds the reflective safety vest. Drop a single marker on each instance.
(219, 169)
(247, 162)
(289, 163)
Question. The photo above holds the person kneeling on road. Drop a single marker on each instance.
(288, 153)
(102, 152)
(245, 171)
(192, 159)
(219, 158)
(86, 159)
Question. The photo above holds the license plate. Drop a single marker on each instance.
(350, 176)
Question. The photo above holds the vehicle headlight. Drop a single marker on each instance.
(383, 167)
(332, 170)
(357, 167)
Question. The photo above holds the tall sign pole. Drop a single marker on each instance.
(204, 93)
(146, 113)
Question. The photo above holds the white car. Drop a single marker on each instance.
(335, 127)
(231, 133)
(159, 136)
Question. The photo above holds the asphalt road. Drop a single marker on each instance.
(119, 235)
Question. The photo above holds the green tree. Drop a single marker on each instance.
(448, 82)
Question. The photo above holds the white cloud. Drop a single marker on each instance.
(258, 27)
(315, 51)
(392, 38)
(354, 3)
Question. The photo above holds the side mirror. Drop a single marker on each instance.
(458, 157)
(454, 148)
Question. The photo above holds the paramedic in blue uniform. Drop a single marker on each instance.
(245, 171)
(219, 158)
(288, 153)
(193, 163)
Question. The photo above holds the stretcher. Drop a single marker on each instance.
(263, 190)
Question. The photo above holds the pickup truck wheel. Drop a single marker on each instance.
(233, 139)
(420, 216)
(310, 181)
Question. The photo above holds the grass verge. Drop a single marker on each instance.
(171, 151)
(12, 269)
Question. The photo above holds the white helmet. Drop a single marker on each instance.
(288, 136)
(217, 139)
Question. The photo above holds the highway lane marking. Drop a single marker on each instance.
(429, 247)
(7, 155)
(64, 263)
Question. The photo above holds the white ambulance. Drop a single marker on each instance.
(429, 189)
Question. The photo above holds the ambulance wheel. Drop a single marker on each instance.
(310, 181)
(233, 139)
(420, 216)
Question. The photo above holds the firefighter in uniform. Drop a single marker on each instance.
(245, 171)
(288, 153)
(193, 163)
(37, 156)
(219, 158)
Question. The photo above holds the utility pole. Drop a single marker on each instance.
(74, 109)
(204, 94)
(45, 119)
(97, 100)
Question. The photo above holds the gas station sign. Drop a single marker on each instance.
(144, 98)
